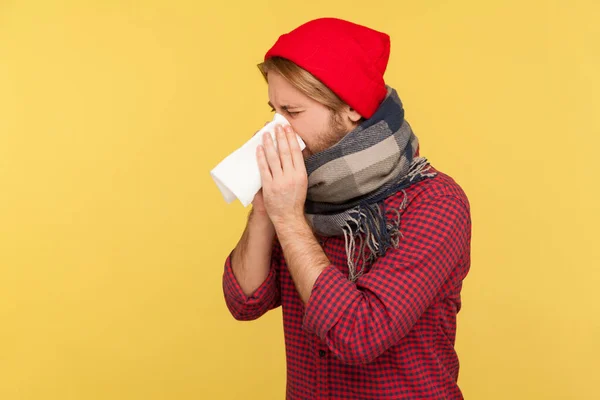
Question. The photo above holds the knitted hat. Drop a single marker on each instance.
(348, 58)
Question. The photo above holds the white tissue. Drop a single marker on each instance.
(238, 176)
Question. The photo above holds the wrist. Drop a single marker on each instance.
(293, 224)
(260, 220)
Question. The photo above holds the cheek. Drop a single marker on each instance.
(308, 126)
(302, 127)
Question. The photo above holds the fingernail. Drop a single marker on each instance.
(288, 128)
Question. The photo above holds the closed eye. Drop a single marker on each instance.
(290, 113)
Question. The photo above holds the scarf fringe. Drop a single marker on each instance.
(369, 226)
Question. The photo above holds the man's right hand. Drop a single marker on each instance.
(251, 258)
(258, 204)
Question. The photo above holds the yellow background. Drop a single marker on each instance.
(113, 235)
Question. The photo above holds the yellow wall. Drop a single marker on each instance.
(112, 234)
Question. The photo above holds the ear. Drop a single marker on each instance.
(353, 116)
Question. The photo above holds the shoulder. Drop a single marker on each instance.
(440, 188)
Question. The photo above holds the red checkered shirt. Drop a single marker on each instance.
(389, 335)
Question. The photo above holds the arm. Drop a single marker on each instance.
(304, 256)
(251, 258)
(359, 322)
(250, 281)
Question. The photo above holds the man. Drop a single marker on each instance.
(360, 240)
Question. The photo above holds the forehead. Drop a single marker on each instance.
(282, 92)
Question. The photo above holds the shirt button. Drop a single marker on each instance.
(322, 353)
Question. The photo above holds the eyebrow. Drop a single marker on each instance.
(285, 107)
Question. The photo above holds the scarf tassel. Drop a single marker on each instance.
(369, 230)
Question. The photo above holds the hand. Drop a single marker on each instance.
(284, 176)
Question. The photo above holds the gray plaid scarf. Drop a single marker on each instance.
(348, 183)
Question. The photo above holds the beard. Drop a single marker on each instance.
(332, 134)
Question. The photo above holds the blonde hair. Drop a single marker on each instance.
(304, 81)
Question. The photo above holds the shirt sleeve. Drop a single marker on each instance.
(359, 321)
(266, 297)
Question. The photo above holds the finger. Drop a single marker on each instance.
(263, 166)
(272, 156)
(296, 153)
(284, 150)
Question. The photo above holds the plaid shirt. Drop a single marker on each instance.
(391, 334)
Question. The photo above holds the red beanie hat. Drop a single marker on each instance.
(348, 58)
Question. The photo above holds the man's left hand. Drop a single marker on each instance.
(284, 176)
